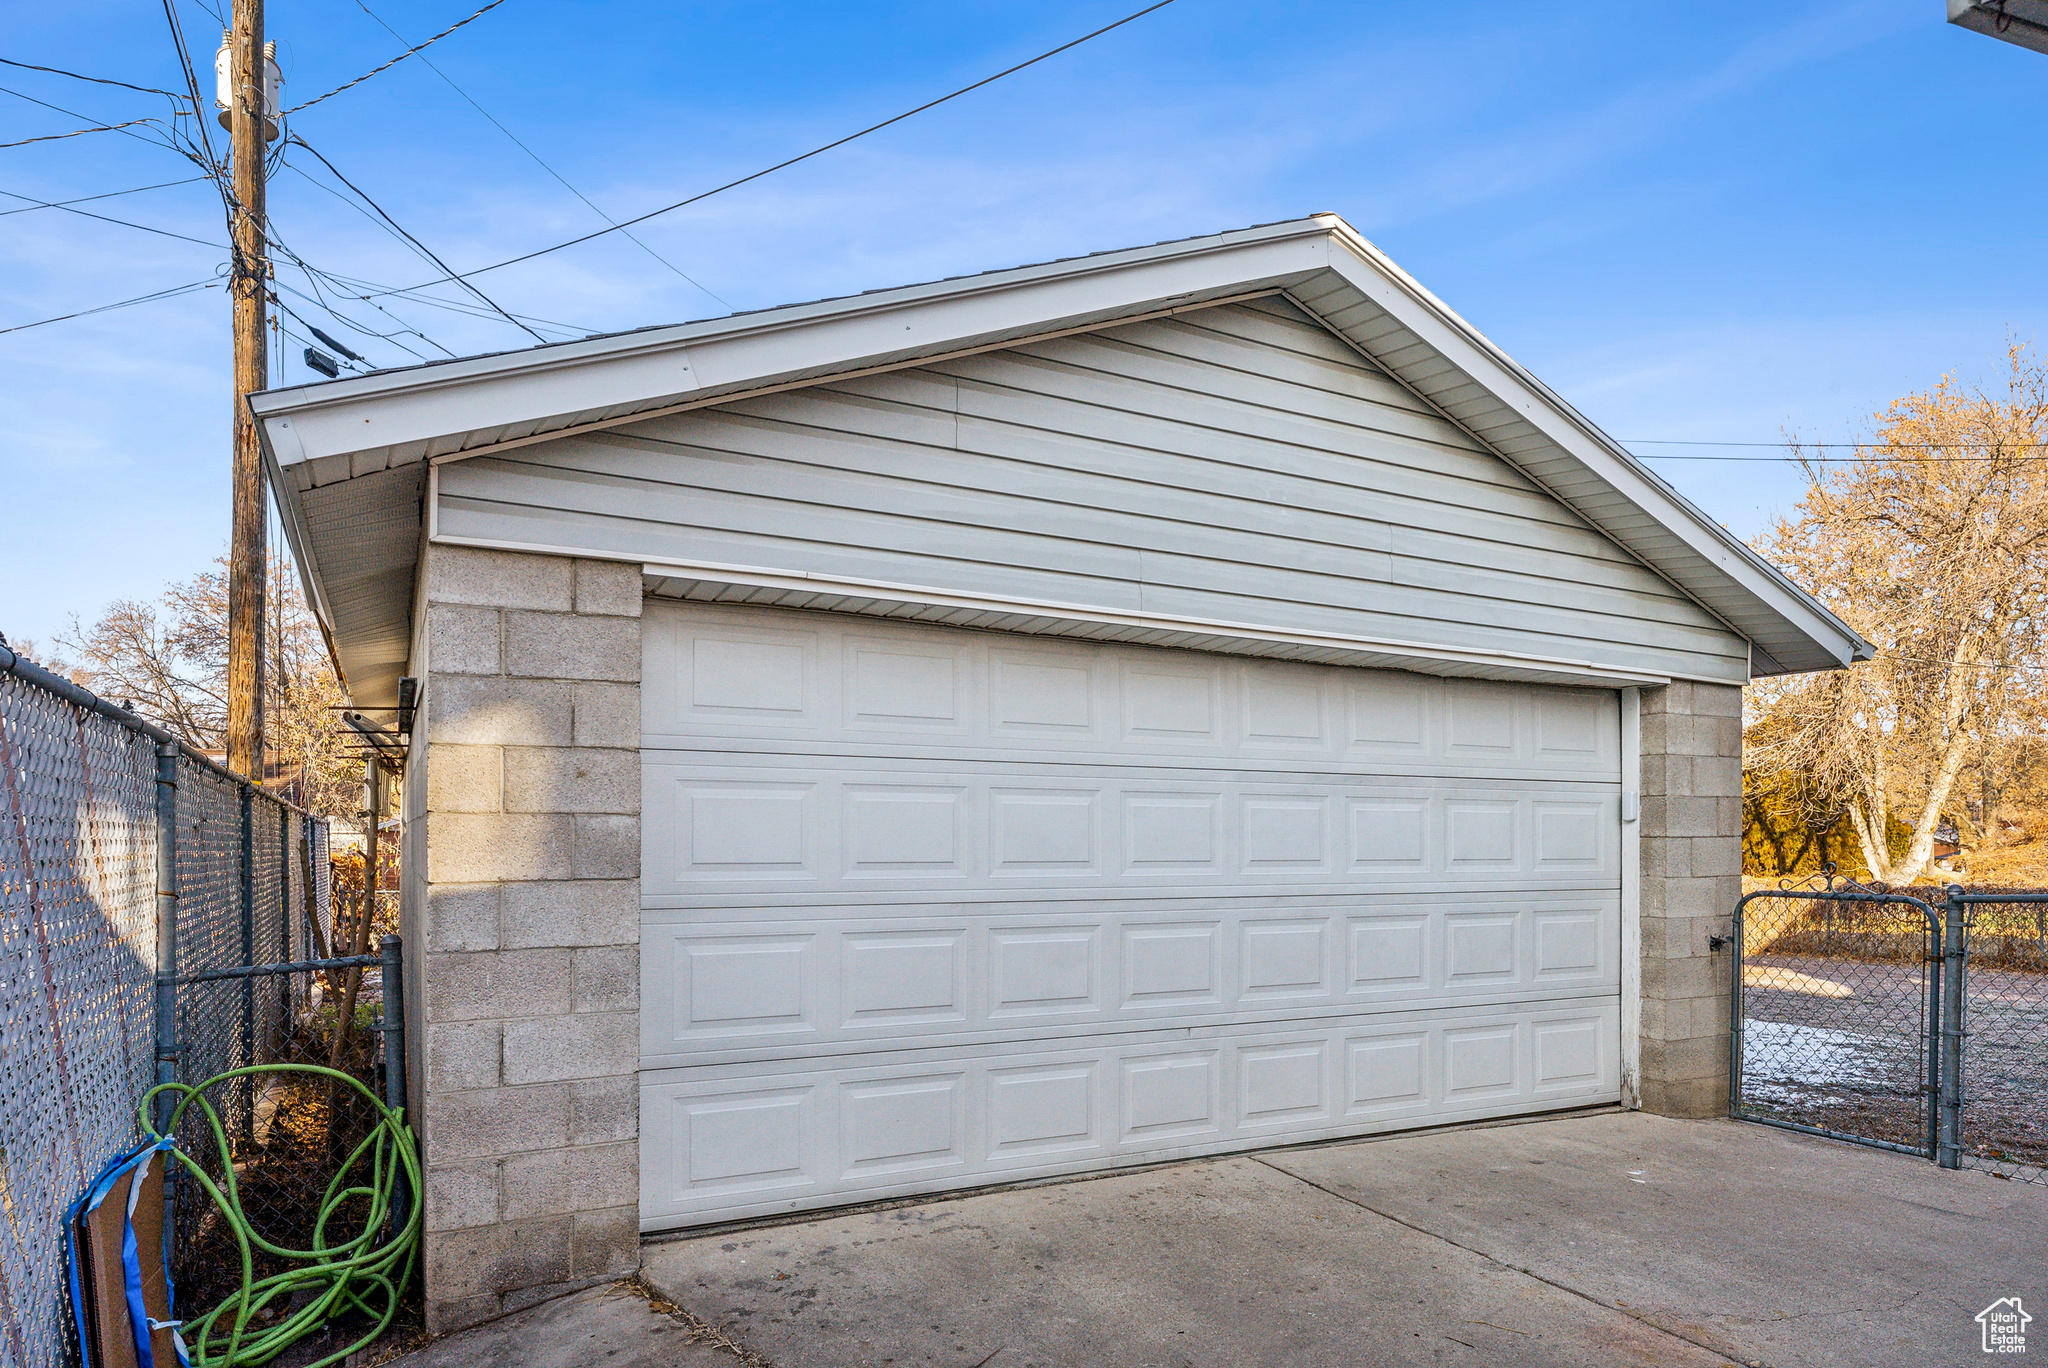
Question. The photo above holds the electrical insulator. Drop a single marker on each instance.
(224, 85)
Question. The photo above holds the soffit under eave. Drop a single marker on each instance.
(364, 536)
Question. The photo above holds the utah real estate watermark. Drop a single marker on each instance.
(2005, 1326)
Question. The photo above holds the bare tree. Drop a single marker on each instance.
(1932, 541)
(139, 655)
(168, 660)
(27, 649)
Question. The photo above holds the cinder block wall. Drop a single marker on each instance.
(1691, 879)
(528, 990)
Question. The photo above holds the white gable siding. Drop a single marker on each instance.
(1239, 463)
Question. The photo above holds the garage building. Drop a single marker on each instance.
(1155, 704)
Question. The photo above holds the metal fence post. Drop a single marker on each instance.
(284, 926)
(1735, 1015)
(167, 962)
(394, 1058)
(1954, 944)
(1933, 953)
(166, 925)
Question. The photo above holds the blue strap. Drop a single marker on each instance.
(139, 1319)
(164, 1256)
(77, 1292)
(131, 1269)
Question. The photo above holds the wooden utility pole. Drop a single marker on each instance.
(247, 553)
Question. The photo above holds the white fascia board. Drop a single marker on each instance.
(2020, 22)
(1048, 617)
(1394, 290)
(665, 365)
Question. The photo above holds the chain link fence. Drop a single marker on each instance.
(82, 827)
(2002, 1114)
(77, 958)
(1913, 1020)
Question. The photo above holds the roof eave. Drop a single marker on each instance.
(1841, 644)
(320, 434)
(436, 405)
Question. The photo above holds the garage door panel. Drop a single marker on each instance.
(1020, 971)
(746, 676)
(751, 1140)
(925, 907)
(829, 824)
(721, 671)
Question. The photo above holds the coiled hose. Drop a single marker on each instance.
(355, 1274)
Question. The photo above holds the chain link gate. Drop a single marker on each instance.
(1999, 993)
(1836, 999)
(1917, 1024)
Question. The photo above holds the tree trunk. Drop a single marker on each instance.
(1875, 852)
(1922, 845)
(1870, 813)
(352, 979)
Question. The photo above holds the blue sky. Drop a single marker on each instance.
(1699, 222)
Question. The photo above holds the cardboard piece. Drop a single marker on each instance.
(106, 1291)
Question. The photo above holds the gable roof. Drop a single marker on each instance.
(347, 456)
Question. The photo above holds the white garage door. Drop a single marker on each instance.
(926, 908)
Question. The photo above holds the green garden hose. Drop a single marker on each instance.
(353, 1274)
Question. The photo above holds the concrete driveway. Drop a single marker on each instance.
(1603, 1240)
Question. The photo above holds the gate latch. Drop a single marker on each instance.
(1719, 942)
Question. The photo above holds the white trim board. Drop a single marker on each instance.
(1631, 898)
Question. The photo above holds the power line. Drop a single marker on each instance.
(413, 295)
(213, 165)
(415, 241)
(543, 164)
(456, 305)
(314, 275)
(124, 223)
(78, 132)
(313, 278)
(805, 156)
(339, 319)
(569, 330)
(85, 199)
(354, 287)
(118, 304)
(218, 17)
(77, 76)
(109, 128)
(396, 60)
(309, 343)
